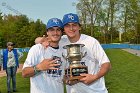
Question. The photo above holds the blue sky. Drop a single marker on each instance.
(38, 9)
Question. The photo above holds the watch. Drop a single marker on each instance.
(36, 71)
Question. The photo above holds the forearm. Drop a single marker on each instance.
(28, 72)
(104, 69)
(31, 71)
(42, 66)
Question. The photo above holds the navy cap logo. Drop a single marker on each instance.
(71, 17)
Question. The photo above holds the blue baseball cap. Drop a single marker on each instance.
(70, 17)
(54, 22)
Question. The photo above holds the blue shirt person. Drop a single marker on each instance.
(10, 57)
(0, 61)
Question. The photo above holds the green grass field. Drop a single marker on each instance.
(125, 74)
(23, 84)
(123, 78)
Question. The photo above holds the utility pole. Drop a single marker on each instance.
(120, 36)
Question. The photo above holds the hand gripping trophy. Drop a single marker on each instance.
(74, 56)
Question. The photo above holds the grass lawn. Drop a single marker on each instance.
(22, 60)
(125, 74)
(123, 78)
(23, 84)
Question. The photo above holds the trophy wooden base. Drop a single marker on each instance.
(73, 73)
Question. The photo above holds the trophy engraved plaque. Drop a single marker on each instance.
(74, 56)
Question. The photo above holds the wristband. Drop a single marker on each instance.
(36, 71)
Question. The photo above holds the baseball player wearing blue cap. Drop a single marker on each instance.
(45, 66)
(54, 22)
(96, 59)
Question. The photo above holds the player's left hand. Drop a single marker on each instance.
(88, 78)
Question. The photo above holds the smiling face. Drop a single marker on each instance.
(72, 30)
(54, 33)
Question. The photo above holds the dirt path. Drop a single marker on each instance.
(135, 52)
(3, 73)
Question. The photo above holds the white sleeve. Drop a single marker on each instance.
(100, 54)
(34, 56)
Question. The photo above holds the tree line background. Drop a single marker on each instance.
(109, 21)
(20, 30)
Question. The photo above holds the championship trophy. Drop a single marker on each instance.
(74, 56)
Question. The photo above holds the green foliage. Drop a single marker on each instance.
(129, 36)
(112, 16)
(20, 30)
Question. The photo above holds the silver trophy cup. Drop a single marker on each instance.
(74, 56)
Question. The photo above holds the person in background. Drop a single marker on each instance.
(10, 64)
(45, 66)
(96, 59)
(0, 59)
(0, 66)
(0, 62)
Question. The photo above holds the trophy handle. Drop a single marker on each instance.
(83, 55)
(64, 56)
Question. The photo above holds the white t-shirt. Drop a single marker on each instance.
(49, 81)
(93, 60)
(11, 59)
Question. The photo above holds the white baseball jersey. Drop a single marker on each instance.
(93, 60)
(49, 81)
